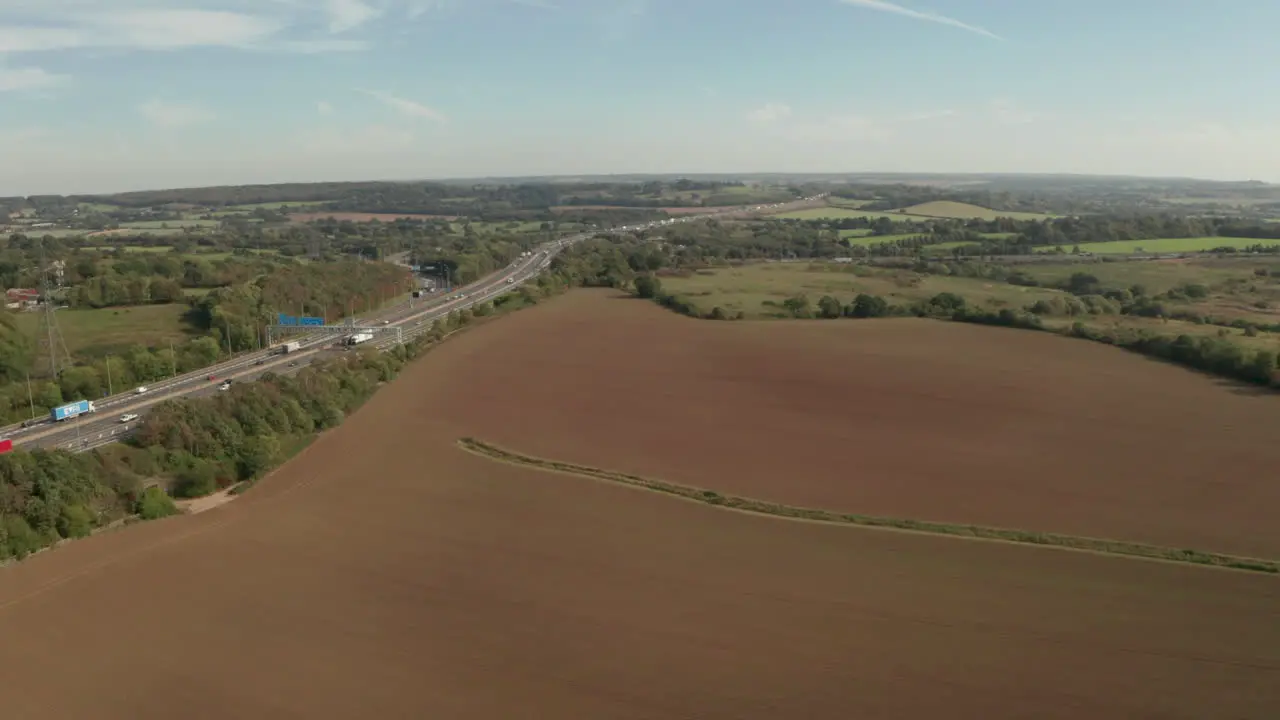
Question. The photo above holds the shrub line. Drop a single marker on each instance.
(761, 507)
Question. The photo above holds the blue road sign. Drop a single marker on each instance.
(295, 320)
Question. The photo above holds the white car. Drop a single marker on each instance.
(141, 390)
(128, 418)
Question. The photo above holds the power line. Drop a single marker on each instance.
(52, 350)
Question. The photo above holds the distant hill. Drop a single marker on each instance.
(965, 211)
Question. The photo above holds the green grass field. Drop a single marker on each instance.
(838, 213)
(49, 232)
(168, 224)
(98, 207)
(965, 211)
(94, 333)
(864, 240)
(1156, 276)
(1173, 328)
(1236, 292)
(131, 248)
(203, 254)
(746, 288)
(1172, 245)
(846, 203)
(860, 232)
(288, 205)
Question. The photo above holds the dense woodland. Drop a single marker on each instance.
(484, 201)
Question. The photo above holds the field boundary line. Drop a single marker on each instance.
(1060, 541)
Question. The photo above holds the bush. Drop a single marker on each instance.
(648, 286)
(155, 504)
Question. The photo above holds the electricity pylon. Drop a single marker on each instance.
(51, 355)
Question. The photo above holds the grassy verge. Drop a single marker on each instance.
(710, 497)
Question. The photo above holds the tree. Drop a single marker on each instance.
(797, 305)
(829, 307)
(648, 286)
(868, 306)
(259, 454)
(165, 290)
(196, 481)
(155, 504)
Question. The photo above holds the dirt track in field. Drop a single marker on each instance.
(385, 573)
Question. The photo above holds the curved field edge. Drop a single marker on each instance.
(977, 532)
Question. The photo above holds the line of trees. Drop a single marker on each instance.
(191, 447)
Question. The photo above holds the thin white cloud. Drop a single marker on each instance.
(173, 115)
(1008, 112)
(618, 18)
(418, 8)
(539, 4)
(359, 142)
(888, 7)
(141, 29)
(19, 38)
(347, 15)
(315, 47)
(27, 26)
(769, 114)
(405, 107)
(28, 78)
(925, 115)
(324, 108)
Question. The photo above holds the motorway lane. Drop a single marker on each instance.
(89, 431)
(130, 401)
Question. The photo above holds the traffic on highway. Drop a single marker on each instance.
(110, 419)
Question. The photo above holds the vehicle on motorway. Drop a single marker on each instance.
(260, 362)
(6, 445)
(142, 390)
(212, 378)
(226, 385)
(510, 280)
(293, 363)
(128, 417)
(289, 347)
(70, 410)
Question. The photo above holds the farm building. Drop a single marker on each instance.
(16, 298)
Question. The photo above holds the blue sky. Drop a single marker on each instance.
(102, 95)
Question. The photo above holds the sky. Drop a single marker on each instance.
(112, 95)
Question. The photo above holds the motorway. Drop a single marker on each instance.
(104, 426)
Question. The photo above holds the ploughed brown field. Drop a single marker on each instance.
(906, 418)
(385, 573)
(364, 217)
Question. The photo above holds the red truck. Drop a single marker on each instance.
(6, 445)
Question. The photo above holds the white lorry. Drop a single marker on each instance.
(289, 347)
(359, 338)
